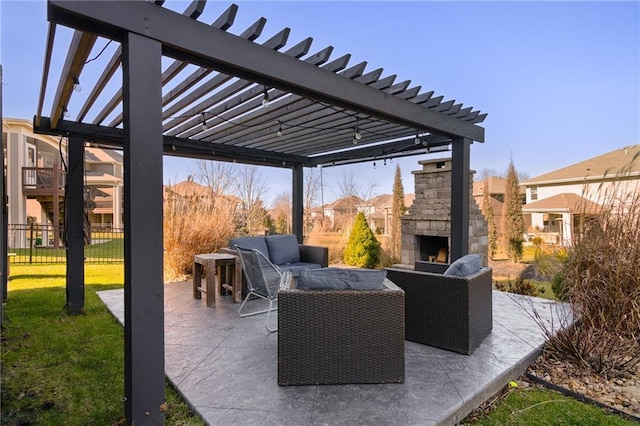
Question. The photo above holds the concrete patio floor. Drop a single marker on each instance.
(226, 367)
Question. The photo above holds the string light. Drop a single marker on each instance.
(356, 134)
(204, 122)
(265, 98)
(279, 132)
(417, 139)
(76, 84)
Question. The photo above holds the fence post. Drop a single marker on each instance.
(30, 242)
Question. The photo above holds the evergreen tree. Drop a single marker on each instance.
(398, 210)
(487, 209)
(512, 220)
(362, 248)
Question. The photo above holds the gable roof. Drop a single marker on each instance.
(624, 160)
(565, 202)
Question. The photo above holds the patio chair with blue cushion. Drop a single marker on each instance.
(263, 279)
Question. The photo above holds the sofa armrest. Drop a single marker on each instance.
(227, 250)
(314, 254)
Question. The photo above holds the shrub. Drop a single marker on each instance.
(362, 248)
(519, 286)
(193, 225)
(601, 280)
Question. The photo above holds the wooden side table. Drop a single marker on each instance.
(212, 264)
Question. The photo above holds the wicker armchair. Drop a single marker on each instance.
(341, 336)
(453, 313)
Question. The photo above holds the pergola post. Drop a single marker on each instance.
(143, 277)
(297, 201)
(460, 175)
(74, 223)
(4, 259)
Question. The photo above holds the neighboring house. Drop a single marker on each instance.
(378, 211)
(35, 180)
(343, 209)
(557, 202)
(104, 186)
(189, 190)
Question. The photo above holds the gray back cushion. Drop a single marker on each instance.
(467, 265)
(283, 249)
(341, 279)
(250, 243)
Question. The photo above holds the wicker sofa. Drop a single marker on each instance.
(341, 336)
(448, 312)
(283, 251)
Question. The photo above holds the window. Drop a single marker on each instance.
(534, 193)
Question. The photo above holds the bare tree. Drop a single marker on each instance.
(348, 187)
(250, 188)
(217, 175)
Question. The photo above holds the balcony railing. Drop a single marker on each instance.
(43, 180)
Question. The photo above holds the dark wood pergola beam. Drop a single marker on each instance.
(112, 137)
(217, 49)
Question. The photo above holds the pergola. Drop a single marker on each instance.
(207, 103)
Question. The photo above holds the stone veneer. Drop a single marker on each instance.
(430, 214)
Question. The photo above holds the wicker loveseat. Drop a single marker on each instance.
(283, 251)
(341, 336)
(448, 312)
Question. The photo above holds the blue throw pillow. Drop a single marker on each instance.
(467, 265)
(341, 279)
(283, 249)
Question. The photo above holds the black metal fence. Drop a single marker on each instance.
(34, 244)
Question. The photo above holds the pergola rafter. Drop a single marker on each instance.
(317, 105)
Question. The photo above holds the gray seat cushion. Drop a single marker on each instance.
(296, 267)
(251, 243)
(341, 279)
(467, 265)
(283, 249)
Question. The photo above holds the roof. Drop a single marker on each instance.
(189, 188)
(565, 202)
(99, 178)
(496, 185)
(350, 202)
(321, 109)
(99, 155)
(624, 160)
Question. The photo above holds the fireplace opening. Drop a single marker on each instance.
(434, 249)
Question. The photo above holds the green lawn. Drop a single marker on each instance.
(60, 369)
(109, 250)
(542, 407)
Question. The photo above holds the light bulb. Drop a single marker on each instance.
(417, 140)
(358, 135)
(279, 132)
(265, 98)
(76, 85)
(204, 122)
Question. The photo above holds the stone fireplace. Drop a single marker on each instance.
(426, 228)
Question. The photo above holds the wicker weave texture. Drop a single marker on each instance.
(341, 336)
(447, 312)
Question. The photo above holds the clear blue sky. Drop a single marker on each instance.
(559, 80)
